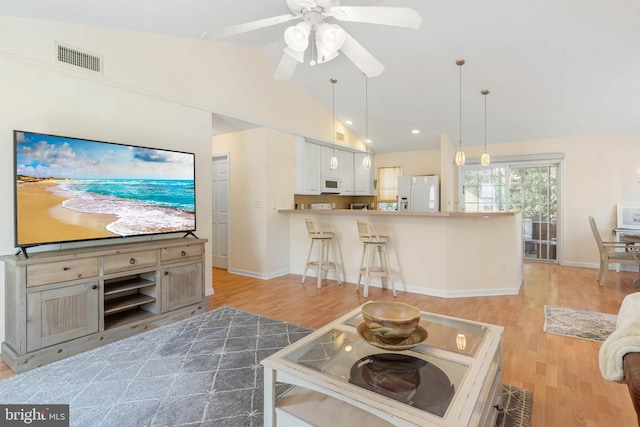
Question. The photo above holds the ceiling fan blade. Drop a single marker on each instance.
(246, 27)
(395, 16)
(286, 67)
(361, 57)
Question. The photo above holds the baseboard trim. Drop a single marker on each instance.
(256, 275)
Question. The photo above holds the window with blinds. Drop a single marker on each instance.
(388, 183)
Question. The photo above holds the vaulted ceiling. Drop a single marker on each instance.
(555, 68)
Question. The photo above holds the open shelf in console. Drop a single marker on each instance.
(130, 298)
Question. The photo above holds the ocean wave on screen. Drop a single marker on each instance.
(178, 194)
(134, 217)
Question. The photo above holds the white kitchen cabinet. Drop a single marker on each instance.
(307, 167)
(325, 157)
(346, 172)
(312, 163)
(311, 168)
(363, 178)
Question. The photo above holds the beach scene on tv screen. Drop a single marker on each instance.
(71, 189)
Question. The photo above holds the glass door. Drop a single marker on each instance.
(534, 190)
(526, 186)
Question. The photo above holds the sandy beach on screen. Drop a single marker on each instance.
(44, 219)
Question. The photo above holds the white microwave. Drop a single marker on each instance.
(331, 185)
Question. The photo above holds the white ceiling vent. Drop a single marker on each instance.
(78, 58)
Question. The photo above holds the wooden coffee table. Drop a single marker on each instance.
(334, 377)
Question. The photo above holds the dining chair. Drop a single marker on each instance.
(614, 253)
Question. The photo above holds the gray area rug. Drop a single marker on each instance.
(201, 371)
(583, 324)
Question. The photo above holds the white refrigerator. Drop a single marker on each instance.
(419, 193)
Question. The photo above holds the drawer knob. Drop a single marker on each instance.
(166, 273)
(94, 287)
(66, 268)
(183, 253)
(132, 261)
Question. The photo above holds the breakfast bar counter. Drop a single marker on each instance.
(444, 254)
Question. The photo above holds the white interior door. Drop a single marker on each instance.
(220, 211)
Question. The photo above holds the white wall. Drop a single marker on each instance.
(423, 162)
(261, 183)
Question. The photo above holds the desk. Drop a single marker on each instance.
(627, 233)
(633, 238)
(630, 235)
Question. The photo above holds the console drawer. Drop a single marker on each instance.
(61, 271)
(181, 253)
(129, 261)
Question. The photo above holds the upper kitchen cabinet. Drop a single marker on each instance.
(312, 168)
(307, 167)
(346, 172)
(363, 185)
(325, 158)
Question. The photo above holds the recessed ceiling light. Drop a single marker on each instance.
(368, 141)
(415, 131)
(349, 122)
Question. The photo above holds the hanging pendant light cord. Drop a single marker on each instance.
(485, 122)
(333, 121)
(366, 160)
(366, 112)
(460, 106)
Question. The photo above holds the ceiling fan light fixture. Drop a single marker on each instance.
(324, 55)
(297, 36)
(329, 40)
(313, 14)
(332, 36)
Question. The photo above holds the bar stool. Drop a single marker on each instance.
(372, 241)
(326, 241)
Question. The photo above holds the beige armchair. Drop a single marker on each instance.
(610, 253)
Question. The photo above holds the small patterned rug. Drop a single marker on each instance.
(588, 325)
(515, 407)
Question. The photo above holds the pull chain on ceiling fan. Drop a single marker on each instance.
(328, 39)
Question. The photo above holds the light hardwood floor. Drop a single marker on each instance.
(568, 389)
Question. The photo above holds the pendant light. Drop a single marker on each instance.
(333, 163)
(460, 157)
(366, 160)
(485, 159)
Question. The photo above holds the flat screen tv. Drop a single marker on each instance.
(72, 189)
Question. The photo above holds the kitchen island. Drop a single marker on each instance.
(444, 254)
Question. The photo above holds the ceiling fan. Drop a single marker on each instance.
(328, 38)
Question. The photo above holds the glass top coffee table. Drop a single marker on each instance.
(335, 377)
